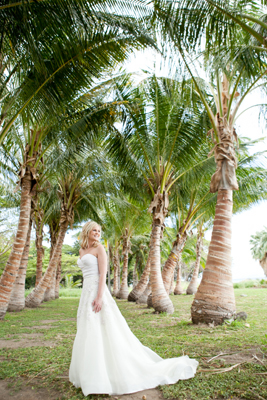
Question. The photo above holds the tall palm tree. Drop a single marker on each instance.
(130, 220)
(158, 141)
(192, 287)
(227, 82)
(80, 185)
(191, 205)
(27, 182)
(47, 50)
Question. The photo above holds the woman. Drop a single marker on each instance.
(106, 356)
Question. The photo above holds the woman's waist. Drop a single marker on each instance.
(90, 276)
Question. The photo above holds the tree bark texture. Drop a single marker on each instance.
(160, 299)
(139, 289)
(13, 263)
(144, 296)
(17, 298)
(178, 287)
(58, 277)
(35, 298)
(192, 287)
(149, 301)
(40, 252)
(116, 269)
(135, 278)
(172, 285)
(53, 232)
(174, 258)
(263, 264)
(214, 300)
(226, 161)
(124, 290)
(50, 293)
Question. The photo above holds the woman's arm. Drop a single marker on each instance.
(102, 267)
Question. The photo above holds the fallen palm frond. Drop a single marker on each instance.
(51, 366)
(220, 370)
(218, 355)
(257, 358)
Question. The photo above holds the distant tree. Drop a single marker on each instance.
(259, 248)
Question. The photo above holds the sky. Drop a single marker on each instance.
(250, 221)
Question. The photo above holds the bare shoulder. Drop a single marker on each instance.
(100, 250)
(81, 251)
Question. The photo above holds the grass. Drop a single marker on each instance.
(168, 335)
(250, 283)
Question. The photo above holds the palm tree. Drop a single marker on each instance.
(130, 220)
(192, 287)
(81, 185)
(17, 296)
(158, 141)
(27, 182)
(259, 248)
(227, 81)
(191, 205)
(63, 51)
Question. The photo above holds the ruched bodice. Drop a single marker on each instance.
(89, 265)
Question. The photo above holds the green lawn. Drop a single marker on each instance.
(54, 325)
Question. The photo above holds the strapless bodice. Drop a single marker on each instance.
(89, 265)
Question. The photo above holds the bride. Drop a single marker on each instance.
(107, 358)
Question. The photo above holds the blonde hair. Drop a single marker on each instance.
(85, 233)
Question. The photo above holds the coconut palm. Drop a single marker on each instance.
(158, 141)
(33, 144)
(226, 84)
(82, 185)
(191, 205)
(259, 248)
(192, 287)
(61, 50)
(131, 220)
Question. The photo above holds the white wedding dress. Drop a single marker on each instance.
(107, 357)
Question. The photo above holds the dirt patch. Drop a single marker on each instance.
(41, 327)
(15, 344)
(25, 392)
(151, 394)
(27, 335)
(249, 356)
(48, 321)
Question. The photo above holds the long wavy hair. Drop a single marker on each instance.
(85, 234)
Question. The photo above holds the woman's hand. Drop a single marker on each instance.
(97, 304)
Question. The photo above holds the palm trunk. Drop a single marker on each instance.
(11, 269)
(50, 291)
(135, 278)
(124, 290)
(40, 253)
(160, 299)
(116, 268)
(144, 296)
(192, 287)
(53, 231)
(173, 259)
(35, 298)
(172, 285)
(58, 277)
(214, 300)
(17, 298)
(178, 288)
(263, 264)
(142, 284)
